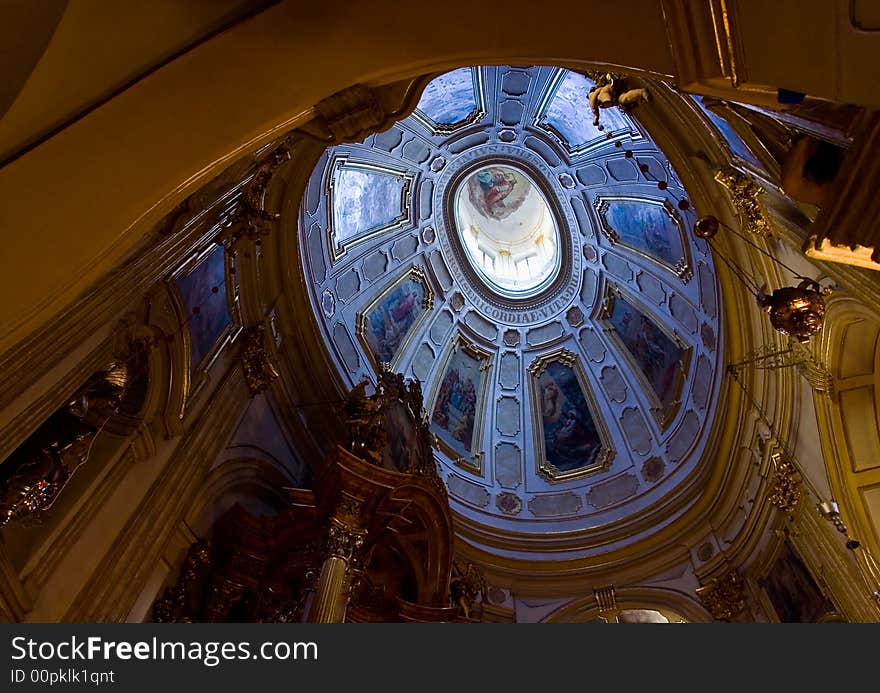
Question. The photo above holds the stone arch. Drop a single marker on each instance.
(254, 483)
(849, 419)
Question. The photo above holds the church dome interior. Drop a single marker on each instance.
(342, 315)
(538, 275)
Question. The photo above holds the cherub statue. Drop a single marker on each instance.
(466, 587)
(614, 91)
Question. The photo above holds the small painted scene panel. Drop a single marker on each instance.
(455, 409)
(646, 227)
(656, 354)
(568, 113)
(203, 291)
(571, 439)
(364, 200)
(391, 319)
(795, 596)
(449, 98)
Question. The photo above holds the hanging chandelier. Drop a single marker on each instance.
(795, 311)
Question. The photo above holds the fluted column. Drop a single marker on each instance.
(346, 537)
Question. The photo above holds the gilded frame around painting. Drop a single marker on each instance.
(402, 220)
(683, 268)
(663, 418)
(415, 273)
(475, 116)
(475, 463)
(543, 466)
(195, 375)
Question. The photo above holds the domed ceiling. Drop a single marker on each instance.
(538, 275)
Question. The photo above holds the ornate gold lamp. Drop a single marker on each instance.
(869, 569)
(795, 311)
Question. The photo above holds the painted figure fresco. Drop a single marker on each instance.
(388, 323)
(795, 596)
(497, 192)
(646, 227)
(455, 409)
(363, 200)
(656, 354)
(449, 98)
(203, 291)
(568, 113)
(571, 440)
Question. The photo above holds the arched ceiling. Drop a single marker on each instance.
(574, 404)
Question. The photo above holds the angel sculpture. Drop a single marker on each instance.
(466, 587)
(614, 91)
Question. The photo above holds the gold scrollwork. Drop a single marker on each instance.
(746, 195)
(563, 356)
(724, 597)
(786, 491)
(390, 428)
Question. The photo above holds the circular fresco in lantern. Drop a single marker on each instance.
(508, 230)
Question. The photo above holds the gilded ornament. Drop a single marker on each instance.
(746, 195)
(259, 371)
(41, 467)
(344, 541)
(390, 428)
(724, 597)
(786, 490)
(248, 217)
